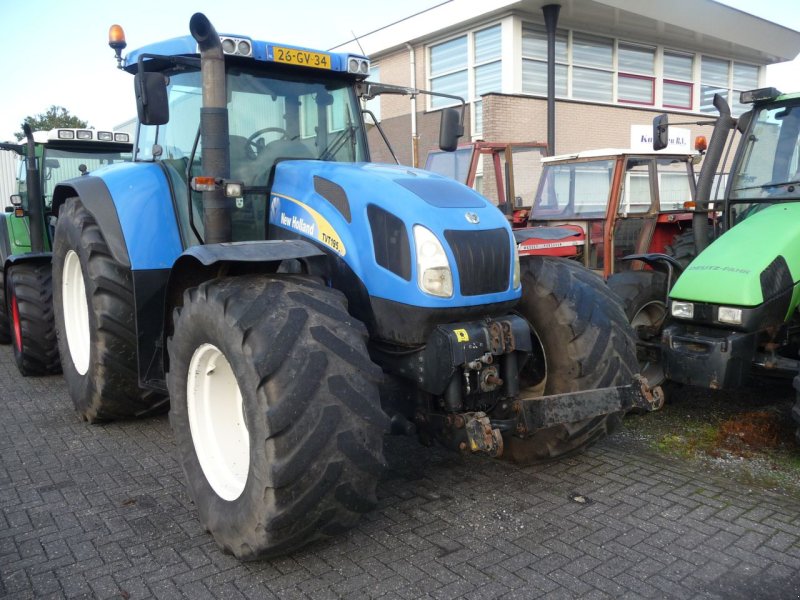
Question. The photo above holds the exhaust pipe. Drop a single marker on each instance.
(719, 138)
(213, 129)
(35, 199)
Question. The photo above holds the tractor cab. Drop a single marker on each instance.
(598, 206)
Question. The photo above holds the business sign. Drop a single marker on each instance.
(680, 139)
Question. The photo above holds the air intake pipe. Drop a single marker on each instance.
(719, 137)
(213, 129)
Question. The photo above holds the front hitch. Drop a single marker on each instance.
(548, 411)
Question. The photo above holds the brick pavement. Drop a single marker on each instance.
(101, 512)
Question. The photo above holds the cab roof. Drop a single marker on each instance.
(615, 153)
(259, 50)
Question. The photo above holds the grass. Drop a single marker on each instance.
(747, 435)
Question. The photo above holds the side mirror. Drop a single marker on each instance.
(52, 163)
(660, 132)
(450, 130)
(152, 104)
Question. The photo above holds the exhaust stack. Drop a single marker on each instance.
(213, 129)
(719, 137)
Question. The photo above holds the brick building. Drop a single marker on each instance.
(618, 63)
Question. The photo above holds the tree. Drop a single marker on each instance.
(56, 116)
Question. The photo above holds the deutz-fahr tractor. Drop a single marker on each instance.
(734, 308)
(296, 302)
(26, 290)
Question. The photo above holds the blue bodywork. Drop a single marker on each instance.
(142, 199)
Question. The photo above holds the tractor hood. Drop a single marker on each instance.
(753, 262)
(366, 214)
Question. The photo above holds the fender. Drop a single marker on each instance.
(159, 291)
(133, 206)
(659, 262)
(95, 196)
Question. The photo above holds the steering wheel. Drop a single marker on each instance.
(251, 139)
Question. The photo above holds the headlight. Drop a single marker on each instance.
(728, 314)
(515, 281)
(682, 310)
(434, 275)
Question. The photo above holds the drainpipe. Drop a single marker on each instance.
(213, 129)
(550, 21)
(414, 136)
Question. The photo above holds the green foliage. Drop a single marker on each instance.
(56, 116)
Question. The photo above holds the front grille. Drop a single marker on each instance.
(483, 259)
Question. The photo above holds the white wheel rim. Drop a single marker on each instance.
(76, 313)
(216, 421)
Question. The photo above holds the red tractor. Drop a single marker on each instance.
(597, 207)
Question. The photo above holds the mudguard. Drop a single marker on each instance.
(132, 204)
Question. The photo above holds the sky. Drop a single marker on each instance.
(56, 51)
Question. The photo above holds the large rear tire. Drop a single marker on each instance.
(30, 299)
(95, 322)
(586, 343)
(5, 323)
(275, 410)
(644, 300)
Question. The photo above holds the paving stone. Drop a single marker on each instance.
(102, 512)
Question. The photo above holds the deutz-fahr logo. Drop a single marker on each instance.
(472, 217)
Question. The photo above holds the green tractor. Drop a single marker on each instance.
(26, 234)
(734, 309)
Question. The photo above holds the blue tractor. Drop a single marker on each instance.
(291, 302)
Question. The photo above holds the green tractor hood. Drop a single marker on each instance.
(752, 262)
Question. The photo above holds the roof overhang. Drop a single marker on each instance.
(679, 24)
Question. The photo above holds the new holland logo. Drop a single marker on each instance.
(472, 217)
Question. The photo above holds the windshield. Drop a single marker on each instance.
(574, 190)
(770, 167)
(454, 165)
(270, 118)
(61, 164)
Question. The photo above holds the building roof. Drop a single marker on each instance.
(677, 23)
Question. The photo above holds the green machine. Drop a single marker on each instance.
(26, 233)
(733, 310)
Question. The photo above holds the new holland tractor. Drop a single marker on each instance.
(734, 309)
(26, 290)
(296, 302)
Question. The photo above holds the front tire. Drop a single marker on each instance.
(30, 300)
(644, 300)
(95, 322)
(5, 323)
(275, 411)
(586, 343)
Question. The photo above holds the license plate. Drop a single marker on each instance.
(305, 58)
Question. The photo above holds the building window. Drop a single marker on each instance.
(534, 61)
(715, 76)
(745, 77)
(713, 80)
(635, 79)
(592, 75)
(678, 90)
(488, 73)
(449, 70)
